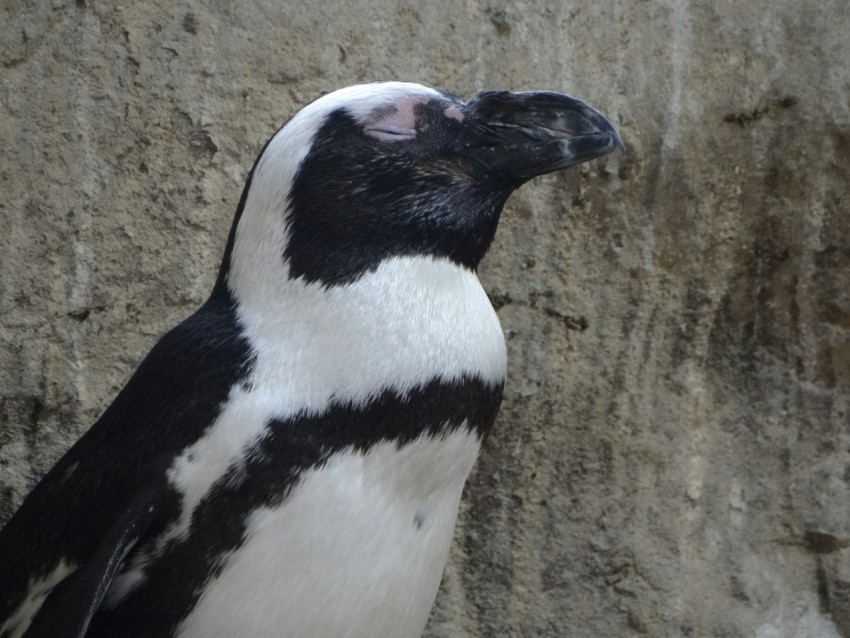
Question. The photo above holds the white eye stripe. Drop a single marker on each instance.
(388, 134)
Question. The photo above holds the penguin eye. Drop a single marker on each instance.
(395, 122)
(390, 134)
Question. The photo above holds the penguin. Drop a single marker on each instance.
(289, 460)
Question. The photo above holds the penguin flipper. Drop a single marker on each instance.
(70, 606)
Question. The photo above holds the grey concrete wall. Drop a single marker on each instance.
(673, 455)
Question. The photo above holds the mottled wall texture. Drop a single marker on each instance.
(673, 455)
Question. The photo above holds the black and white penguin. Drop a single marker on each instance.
(289, 460)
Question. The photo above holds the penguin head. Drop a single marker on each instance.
(395, 169)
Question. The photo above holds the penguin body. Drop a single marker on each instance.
(289, 460)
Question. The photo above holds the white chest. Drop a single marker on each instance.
(413, 319)
(356, 551)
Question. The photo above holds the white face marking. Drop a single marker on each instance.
(364, 99)
(20, 620)
(291, 144)
(357, 550)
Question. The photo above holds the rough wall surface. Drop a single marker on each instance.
(673, 455)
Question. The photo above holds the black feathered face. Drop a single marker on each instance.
(391, 185)
(396, 170)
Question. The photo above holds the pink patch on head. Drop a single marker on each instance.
(454, 112)
(397, 122)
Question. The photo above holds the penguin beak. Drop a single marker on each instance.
(517, 136)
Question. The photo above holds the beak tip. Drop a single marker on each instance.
(618, 142)
(616, 138)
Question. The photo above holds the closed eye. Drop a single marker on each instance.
(388, 134)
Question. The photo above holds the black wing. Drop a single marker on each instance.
(109, 490)
(70, 606)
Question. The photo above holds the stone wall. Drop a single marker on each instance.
(673, 455)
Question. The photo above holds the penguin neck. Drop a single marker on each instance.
(409, 320)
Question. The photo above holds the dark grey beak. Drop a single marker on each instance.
(517, 136)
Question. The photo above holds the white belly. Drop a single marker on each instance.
(357, 550)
